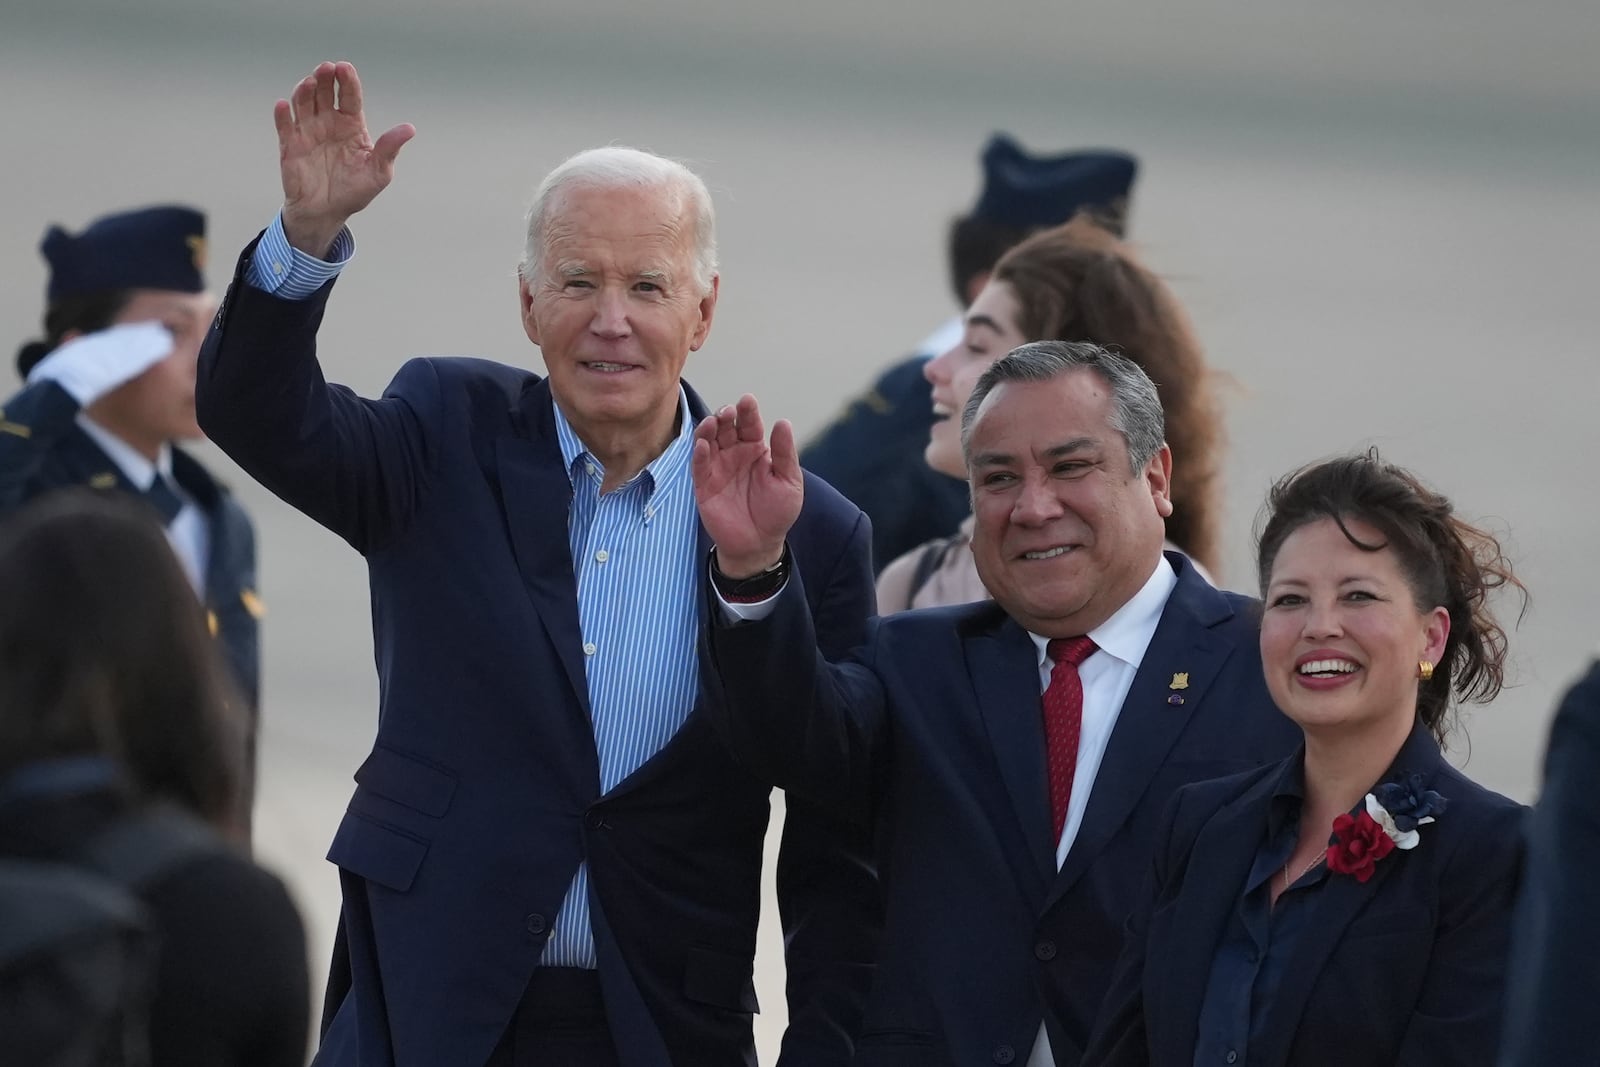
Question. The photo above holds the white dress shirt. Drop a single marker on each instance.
(188, 533)
(1107, 676)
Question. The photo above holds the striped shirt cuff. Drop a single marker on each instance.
(291, 274)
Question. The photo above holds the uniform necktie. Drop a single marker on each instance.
(1063, 720)
(164, 498)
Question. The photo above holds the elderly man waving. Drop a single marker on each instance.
(549, 857)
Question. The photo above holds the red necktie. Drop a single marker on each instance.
(1063, 718)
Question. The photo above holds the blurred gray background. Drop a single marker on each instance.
(1383, 218)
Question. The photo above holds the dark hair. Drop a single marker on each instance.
(1447, 563)
(1136, 411)
(103, 650)
(1078, 282)
(81, 313)
(976, 244)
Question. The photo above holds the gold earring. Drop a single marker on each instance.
(1425, 669)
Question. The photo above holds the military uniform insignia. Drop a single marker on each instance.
(16, 429)
(197, 250)
(252, 603)
(1180, 680)
(103, 480)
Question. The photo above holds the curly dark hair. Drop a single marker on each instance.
(1080, 282)
(1447, 562)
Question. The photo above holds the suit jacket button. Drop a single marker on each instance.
(594, 820)
(536, 923)
(1045, 950)
(1004, 1054)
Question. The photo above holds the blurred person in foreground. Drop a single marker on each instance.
(872, 453)
(1018, 752)
(110, 395)
(1550, 1014)
(1077, 282)
(550, 858)
(1351, 905)
(120, 753)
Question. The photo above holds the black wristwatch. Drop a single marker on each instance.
(757, 587)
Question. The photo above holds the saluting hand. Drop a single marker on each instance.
(330, 166)
(749, 494)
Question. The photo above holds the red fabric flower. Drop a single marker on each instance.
(1358, 844)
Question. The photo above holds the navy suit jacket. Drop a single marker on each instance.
(481, 795)
(1550, 1013)
(936, 722)
(42, 448)
(1406, 969)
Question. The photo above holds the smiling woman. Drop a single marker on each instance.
(1376, 619)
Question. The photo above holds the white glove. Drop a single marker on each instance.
(92, 365)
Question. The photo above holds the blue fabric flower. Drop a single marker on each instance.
(1408, 802)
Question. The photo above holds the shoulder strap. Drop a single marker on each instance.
(140, 847)
(928, 561)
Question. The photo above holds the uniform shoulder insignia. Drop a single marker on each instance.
(103, 480)
(252, 603)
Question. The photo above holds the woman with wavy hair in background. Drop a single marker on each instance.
(122, 752)
(1352, 904)
(1076, 282)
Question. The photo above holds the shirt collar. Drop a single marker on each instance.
(138, 470)
(1129, 631)
(665, 468)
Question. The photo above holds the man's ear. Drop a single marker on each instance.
(1158, 474)
(530, 325)
(708, 311)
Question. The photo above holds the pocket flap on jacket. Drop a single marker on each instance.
(377, 852)
(407, 780)
(721, 979)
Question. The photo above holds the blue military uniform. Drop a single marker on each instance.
(873, 452)
(44, 445)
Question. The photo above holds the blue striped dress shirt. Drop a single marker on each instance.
(635, 554)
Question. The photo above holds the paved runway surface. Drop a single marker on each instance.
(1385, 225)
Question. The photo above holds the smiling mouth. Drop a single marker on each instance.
(1327, 668)
(1048, 553)
(609, 368)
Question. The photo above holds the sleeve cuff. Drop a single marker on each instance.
(291, 274)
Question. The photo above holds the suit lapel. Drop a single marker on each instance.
(1003, 666)
(1340, 901)
(536, 495)
(79, 459)
(1150, 722)
(1219, 863)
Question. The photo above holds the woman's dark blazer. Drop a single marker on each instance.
(1406, 969)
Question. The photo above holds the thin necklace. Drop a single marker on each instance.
(1287, 881)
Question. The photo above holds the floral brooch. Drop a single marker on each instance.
(1388, 821)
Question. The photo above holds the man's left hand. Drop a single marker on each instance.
(749, 492)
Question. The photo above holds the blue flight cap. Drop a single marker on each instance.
(1028, 191)
(151, 248)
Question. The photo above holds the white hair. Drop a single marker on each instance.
(619, 167)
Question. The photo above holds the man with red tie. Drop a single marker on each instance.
(1017, 754)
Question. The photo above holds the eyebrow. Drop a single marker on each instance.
(1066, 448)
(984, 320)
(1342, 581)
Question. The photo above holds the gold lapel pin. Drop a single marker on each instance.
(1180, 680)
(103, 480)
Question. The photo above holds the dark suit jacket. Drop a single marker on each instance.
(1550, 1012)
(1406, 969)
(936, 720)
(42, 448)
(481, 795)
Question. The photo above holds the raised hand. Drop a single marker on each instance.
(749, 494)
(93, 364)
(330, 166)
